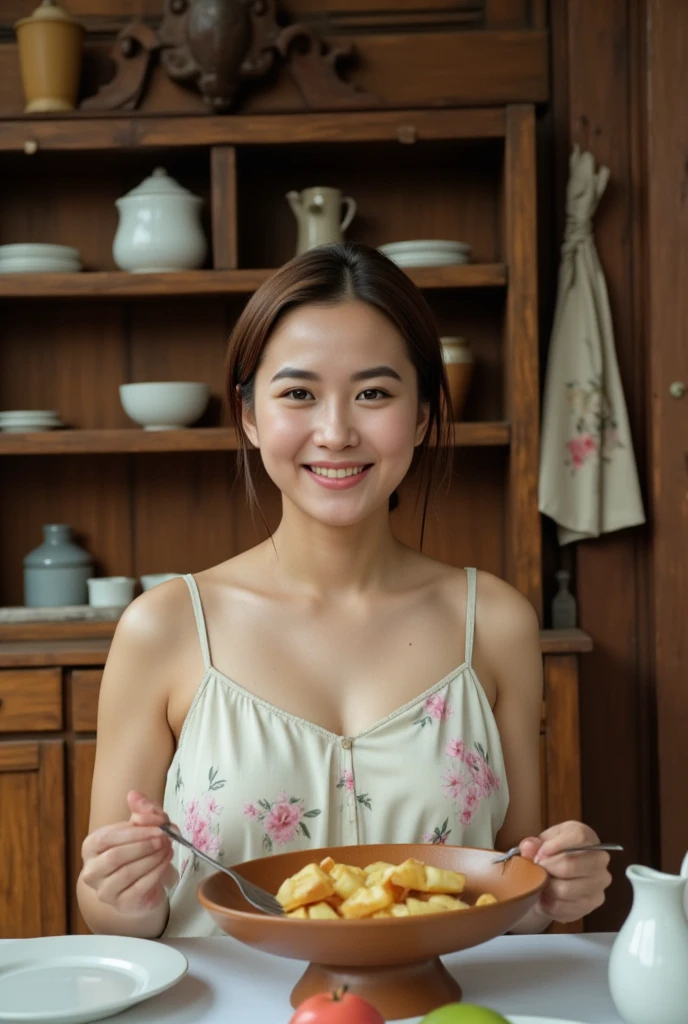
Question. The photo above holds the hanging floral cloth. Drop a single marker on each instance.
(588, 476)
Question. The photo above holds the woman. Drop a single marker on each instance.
(331, 685)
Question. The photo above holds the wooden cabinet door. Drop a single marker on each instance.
(83, 757)
(32, 839)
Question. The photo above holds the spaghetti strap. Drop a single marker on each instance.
(200, 620)
(471, 577)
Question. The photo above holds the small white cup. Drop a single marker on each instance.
(153, 579)
(110, 591)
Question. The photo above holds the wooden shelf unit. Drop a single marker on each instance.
(68, 341)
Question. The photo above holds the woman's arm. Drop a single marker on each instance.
(126, 857)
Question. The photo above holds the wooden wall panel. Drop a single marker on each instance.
(603, 114)
(667, 43)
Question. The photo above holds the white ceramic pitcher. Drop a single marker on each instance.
(648, 968)
(318, 213)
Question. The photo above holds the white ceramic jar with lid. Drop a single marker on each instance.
(159, 227)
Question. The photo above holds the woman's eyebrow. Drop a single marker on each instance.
(376, 371)
(294, 373)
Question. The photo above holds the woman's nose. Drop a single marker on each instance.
(335, 427)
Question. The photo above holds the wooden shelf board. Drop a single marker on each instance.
(83, 132)
(202, 439)
(118, 284)
(70, 643)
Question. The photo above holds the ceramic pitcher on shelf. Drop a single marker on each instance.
(648, 968)
(318, 213)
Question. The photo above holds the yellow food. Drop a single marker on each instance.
(330, 892)
(309, 885)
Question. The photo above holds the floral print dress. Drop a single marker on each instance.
(248, 779)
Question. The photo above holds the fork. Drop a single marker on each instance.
(515, 851)
(257, 897)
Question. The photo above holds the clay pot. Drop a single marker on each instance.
(50, 46)
(458, 365)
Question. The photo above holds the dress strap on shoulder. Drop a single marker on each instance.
(200, 619)
(471, 578)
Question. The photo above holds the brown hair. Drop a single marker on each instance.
(327, 275)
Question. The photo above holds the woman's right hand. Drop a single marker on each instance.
(128, 864)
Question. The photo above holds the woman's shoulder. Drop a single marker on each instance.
(156, 635)
(497, 602)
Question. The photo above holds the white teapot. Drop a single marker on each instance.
(159, 227)
(648, 968)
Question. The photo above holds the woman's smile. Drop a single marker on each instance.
(338, 476)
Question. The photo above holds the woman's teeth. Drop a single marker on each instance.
(336, 474)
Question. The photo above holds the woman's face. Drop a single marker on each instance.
(336, 413)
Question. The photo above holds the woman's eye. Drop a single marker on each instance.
(298, 394)
(370, 394)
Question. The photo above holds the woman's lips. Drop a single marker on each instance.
(339, 483)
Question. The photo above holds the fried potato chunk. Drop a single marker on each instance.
(484, 899)
(309, 885)
(418, 907)
(299, 913)
(322, 912)
(409, 875)
(441, 880)
(346, 879)
(326, 864)
(448, 902)
(366, 901)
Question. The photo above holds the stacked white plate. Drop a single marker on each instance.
(39, 258)
(427, 252)
(22, 421)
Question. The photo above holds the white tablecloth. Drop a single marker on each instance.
(561, 976)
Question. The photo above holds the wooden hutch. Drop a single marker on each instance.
(450, 156)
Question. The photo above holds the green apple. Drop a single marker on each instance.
(463, 1013)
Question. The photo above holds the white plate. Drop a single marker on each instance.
(26, 250)
(541, 1020)
(38, 267)
(72, 979)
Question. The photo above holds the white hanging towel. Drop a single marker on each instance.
(588, 477)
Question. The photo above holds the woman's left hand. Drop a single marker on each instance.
(577, 881)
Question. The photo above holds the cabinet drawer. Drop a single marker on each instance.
(84, 689)
(30, 699)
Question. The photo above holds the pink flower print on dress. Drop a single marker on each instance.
(435, 708)
(199, 822)
(347, 782)
(281, 819)
(282, 822)
(469, 780)
(456, 748)
(453, 784)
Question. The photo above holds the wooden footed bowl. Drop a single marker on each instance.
(392, 962)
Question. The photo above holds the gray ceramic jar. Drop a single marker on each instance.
(55, 572)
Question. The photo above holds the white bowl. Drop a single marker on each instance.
(110, 591)
(425, 245)
(164, 405)
(153, 579)
(427, 259)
